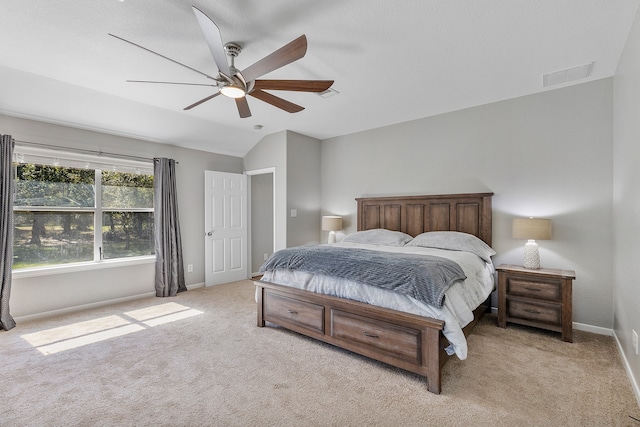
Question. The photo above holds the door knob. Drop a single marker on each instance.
(210, 233)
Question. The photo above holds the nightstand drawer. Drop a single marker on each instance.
(536, 290)
(545, 313)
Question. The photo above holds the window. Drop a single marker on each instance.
(67, 214)
(127, 214)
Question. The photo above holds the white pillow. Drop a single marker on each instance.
(379, 236)
(454, 240)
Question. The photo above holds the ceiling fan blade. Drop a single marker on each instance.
(213, 38)
(283, 104)
(243, 107)
(170, 83)
(288, 53)
(294, 85)
(195, 104)
(162, 56)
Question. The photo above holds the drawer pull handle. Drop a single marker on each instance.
(534, 289)
(370, 335)
(531, 311)
(292, 312)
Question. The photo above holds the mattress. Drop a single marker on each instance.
(461, 298)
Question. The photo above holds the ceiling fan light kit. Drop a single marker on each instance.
(232, 91)
(236, 84)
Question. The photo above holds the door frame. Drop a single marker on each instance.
(263, 171)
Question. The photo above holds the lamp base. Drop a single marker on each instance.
(531, 255)
(332, 237)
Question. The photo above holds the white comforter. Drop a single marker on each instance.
(460, 301)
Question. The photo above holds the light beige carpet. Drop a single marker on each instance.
(198, 359)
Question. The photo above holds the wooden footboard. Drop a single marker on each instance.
(407, 341)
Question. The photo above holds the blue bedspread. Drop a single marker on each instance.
(423, 277)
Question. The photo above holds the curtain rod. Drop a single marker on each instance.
(85, 151)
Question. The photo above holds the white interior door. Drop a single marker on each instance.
(225, 227)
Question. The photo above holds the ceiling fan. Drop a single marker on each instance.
(237, 84)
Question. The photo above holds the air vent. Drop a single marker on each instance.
(563, 76)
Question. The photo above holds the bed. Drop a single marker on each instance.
(416, 340)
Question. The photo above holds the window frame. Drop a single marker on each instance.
(32, 155)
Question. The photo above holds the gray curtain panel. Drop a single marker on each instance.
(168, 241)
(6, 229)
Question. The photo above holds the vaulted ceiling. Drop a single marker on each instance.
(392, 61)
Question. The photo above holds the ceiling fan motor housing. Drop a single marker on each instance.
(232, 49)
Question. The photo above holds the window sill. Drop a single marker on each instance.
(82, 266)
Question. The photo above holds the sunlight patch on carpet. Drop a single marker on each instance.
(59, 346)
(161, 314)
(79, 334)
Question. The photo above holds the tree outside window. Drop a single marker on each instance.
(57, 213)
(127, 219)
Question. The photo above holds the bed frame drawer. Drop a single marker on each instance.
(293, 312)
(396, 341)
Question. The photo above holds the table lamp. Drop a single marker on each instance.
(331, 223)
(531, 229)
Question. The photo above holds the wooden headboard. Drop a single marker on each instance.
(469, 213)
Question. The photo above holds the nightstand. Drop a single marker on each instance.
(539, 298)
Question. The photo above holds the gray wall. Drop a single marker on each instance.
(626, 201)
(296, 161)
(545, 155)
(37, 295)
(303, 189)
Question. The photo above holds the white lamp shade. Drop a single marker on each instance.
(531, 228)
(331, 223)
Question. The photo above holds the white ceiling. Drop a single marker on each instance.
(392, 61)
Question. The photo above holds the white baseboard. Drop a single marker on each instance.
(627, 367)
(82, 307)
(579, 326)
(594, 329)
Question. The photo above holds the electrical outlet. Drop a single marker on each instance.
(266, 257)
(634, 340)
(190, 268)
